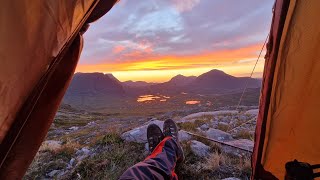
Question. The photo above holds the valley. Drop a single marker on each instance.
(101, 125)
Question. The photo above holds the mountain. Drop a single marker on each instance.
(218, 81)
(112, 77)
(137, 83)
(181, 80)
(99, 87)
(92, 84)
(174, 85)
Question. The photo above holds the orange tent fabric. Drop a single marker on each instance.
(39, 49)
(288, 123)
(41, 43)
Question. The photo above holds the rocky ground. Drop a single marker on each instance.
(87, 145)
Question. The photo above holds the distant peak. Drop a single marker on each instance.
(89, 73)
(216, 71)
(179, 76)
(109, 74)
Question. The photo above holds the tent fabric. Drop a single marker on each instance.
(40, 48)
(32, 34)
(279, 15)
(288, 127)
(40, 118)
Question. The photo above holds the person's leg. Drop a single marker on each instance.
(159, 164)
(162, 161)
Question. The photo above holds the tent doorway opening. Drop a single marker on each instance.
(200, 70)
(195, 62)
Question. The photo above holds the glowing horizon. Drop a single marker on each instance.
(155, 41)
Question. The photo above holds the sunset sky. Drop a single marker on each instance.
(154, 40)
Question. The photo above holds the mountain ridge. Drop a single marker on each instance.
(214, 81)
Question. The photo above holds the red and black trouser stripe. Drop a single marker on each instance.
(159, 164)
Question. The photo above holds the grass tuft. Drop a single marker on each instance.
(188, 126)
(111, 138)
(243, 134)
(223, 127)
(214, 161)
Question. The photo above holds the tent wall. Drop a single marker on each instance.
(39, 49)
(33, 33)
(288, 122)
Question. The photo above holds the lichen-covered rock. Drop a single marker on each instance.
(231, 178)
(242, 143)
(218, 135)
(242, 117)
(204, 127)
(199, 149)
(51, 145)
(184, 136)
(192, 117)
(223, 124)
(252, 112)
(73, 128)
(139, 134)
(53, 173)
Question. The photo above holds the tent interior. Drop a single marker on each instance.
(41, 44)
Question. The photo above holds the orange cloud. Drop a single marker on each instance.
(118, 49)
(136, 60)
(152, 68)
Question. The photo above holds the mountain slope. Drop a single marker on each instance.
(181, 80)
(219, 81)
(94, 84)
(174, 85)
(137, 83)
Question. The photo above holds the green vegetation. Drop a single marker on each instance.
(217, 166)
(200, 122)
(110, 156)
(223, 127)
(192, 126)
(110, 139)
(188, 126)
(111, 162)
(243, 134)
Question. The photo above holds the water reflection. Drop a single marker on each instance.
(192, 102)
(150, 97)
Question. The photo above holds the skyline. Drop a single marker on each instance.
(155, 40)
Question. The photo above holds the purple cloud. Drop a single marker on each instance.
(174, 27)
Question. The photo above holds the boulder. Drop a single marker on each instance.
(242, 143)
(83, 151)
(184, 136)
(242, 117)
(252, 112)
(92, 123)
(214, 123)
(73, 128)
(199, 149)
(223, 124)
(53, 173)
(192, 117)
(225, 119)
(139, 134)
(146, 147)
(71, 162)
(218, 135)
(51, 145)
(204, 127)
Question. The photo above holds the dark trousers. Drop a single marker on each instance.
(159, 165)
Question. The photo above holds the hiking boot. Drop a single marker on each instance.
(154, 136)
(170, 128)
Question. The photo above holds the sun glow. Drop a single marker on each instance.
(237, 62)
